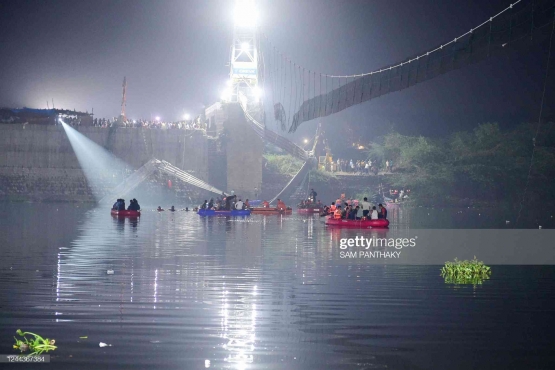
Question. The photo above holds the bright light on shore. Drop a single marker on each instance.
(187, 117)
(157, 118)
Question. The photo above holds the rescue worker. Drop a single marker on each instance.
(265, 204)
(383, 212)
(337, 213)
(239, 204)
(332, 207)
(280, 205)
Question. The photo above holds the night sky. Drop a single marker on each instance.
(174, 54)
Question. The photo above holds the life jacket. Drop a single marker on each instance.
(337, 214)
(266, 204)
(384, 212)
(333, 208)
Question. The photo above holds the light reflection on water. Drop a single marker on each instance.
(264, 292)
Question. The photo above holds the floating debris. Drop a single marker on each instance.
(110, 272)
(102, 344)
(37, 345)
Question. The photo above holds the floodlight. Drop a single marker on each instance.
(245, 13)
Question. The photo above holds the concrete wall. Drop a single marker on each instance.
(244, 154)
(38, 163)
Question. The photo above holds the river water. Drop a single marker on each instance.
(262, 292)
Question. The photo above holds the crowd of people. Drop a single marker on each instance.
(354, 210)
(225, 203)
(196, 124)
(358, 167)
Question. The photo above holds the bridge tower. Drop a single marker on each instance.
(244, 148)
(246, 73)
(123, 100)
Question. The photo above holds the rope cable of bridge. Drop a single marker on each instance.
(488, 21)
(534, 139)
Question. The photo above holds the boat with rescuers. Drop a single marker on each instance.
(118, 209)
(381, 223)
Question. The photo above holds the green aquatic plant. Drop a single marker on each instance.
(465, 272)
(37, 345)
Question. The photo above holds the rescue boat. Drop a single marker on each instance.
(358, 224)
(114, 212)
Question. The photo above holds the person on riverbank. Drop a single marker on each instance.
(383, 212)
(374, 214)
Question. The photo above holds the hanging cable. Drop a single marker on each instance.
(534, 140)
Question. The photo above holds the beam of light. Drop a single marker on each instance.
(101, 168)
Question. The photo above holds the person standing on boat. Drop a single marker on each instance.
(366, 207)
(204, 205)
(313, 195)
(337, 213)
(360, 213)
(239, 204)
(280, 205)
(383, 212)
(374, 214)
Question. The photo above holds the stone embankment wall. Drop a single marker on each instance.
(38, 163)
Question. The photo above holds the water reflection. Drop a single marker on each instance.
(238, 326)
(259, 292)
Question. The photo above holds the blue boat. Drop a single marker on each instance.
(234, 212)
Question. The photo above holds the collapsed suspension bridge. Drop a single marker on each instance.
(299, 95)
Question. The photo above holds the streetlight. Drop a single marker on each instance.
(306, 141)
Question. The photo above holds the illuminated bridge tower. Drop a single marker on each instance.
(244, 148)
(245, 72)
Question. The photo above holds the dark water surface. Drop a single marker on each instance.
(252, 293)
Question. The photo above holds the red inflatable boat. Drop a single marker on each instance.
(125, 213)
(358, 224)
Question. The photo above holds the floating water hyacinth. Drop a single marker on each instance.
(37, 345)
(465, 272)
